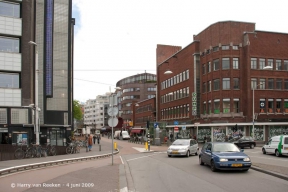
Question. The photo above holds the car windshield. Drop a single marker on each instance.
(181, 142)
(225, 147)
(124, 133)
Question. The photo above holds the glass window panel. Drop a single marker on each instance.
(261, 63)
(253, 63)
(235, 63)
(226, 83)
(225, 63)
(9, 80)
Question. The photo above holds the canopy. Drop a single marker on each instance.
(136, 130)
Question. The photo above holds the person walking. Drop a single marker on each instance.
(94, 139)
(171, 137)
(98, 139)
(90, 142)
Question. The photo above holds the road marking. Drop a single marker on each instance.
(140, 149)
(121, 159)
(140, 157)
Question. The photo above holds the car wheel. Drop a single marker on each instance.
(188, 153)
(200, 161)
(277, 153)
(263, 151)
(212, 166)
(252, 146)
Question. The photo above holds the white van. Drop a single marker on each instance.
(125, 135)
(277, 145)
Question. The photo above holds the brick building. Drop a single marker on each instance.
(211, 87)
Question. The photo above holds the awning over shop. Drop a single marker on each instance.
(136, 131)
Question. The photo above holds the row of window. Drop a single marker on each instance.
(9, 80)
(183, 76)
(225, 106)
(271, 83)
(138, 89)
(223, 47)
(143, 119)
(226, 84)
(145, 77)
(178, 94)
(206, 68)
(144, 108)
(181, 111)
(260, 63)
(131, 97)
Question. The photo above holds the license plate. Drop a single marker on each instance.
(236, 165)
(174, 152)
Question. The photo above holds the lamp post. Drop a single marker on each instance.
(36, 121)
(253, 114)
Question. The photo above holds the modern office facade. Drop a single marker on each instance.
(50, 25)
(211, 87)
(133, 89)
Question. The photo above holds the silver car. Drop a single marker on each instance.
(183, 147)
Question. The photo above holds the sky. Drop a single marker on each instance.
(115, 39)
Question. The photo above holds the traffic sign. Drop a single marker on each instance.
(112, 121)
(176, 123)
(194, 94)
(155, 125)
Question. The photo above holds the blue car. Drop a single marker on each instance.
(224, 156)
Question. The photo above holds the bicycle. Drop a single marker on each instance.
(73, 147)
(20, 153)
(36, 150)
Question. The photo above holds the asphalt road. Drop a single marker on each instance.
(157, 172)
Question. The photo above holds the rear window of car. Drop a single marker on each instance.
(285, 140)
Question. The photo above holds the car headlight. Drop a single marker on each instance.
(246, 159)
(223, 160)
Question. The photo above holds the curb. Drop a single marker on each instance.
(278, 175)
(41, 165)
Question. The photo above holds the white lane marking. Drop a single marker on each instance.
(121, 159)
(140, 149)
(140, 157)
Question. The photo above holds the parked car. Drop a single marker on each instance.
(124, 135)
(183, 147)
(243, 142)
(277, 145)
(76, 134)
(224, 156)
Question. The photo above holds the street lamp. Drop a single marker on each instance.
(253, 115)
(36, 121)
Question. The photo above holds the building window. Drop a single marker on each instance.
(235, 63)
(225, 47)
(216, 64)
(236, 83)
(216, 106)
(183, 75)
(187, 91)
(9, 80)
(203, 69)
(226, 105)
(208, 67)
(215, 48)
(261, 63)
(253, 63)
(270, 106)
(278, 65)
(278, 106)
(187, 74)
(286, 84)
(270, 63)
(209, 107)
(236, 105)
(10, 9)
(10, 45)
(270, 83)
(235, 47)
(253, 83)
(225, 63)
(262, 84)
(204, 88)
(216, 84)
(226, 83)
(209, 86)
(180, 77)
(279, 84)
(285, 66)
(286, 106)
(204, 108)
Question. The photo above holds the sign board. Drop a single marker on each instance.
(155, 125)
(176, 129)
(176, 123)
(183, 127)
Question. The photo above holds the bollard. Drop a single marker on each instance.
(146, 146)
(99, 147)
(115, 145)
(148, 141)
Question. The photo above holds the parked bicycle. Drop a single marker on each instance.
(36, 150)
(22, 152)
(72, 147)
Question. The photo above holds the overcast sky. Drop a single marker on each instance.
(115, 39)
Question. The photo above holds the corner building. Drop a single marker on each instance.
(210, 92)
(50, 25)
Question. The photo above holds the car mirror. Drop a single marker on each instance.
(242, 150)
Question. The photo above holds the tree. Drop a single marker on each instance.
(77, 110)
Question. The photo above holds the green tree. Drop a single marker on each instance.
(77, 110)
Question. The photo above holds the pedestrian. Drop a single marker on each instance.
(90, 142)
(171, 137)
(98, 139)
(94, 139)
(205, 139)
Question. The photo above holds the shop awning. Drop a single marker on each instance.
(136, 131)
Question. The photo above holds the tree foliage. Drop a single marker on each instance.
(77, 110)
